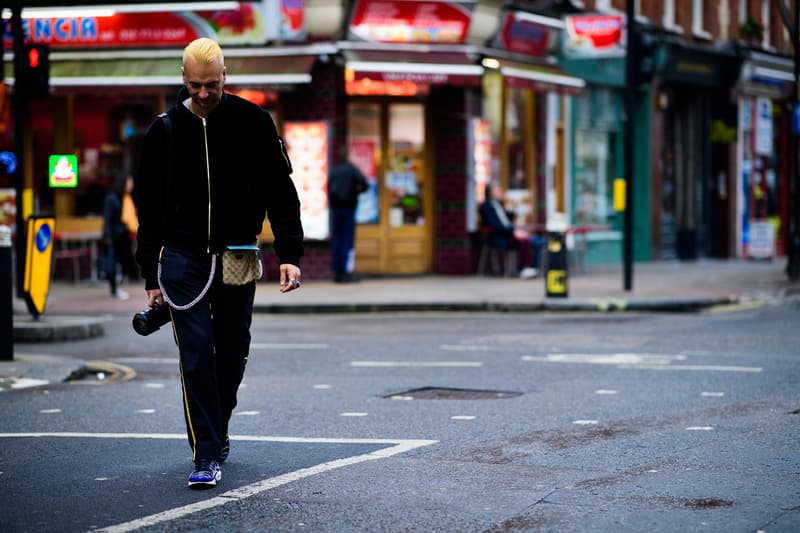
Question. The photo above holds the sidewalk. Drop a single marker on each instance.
(76, 311)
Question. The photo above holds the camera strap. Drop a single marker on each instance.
(199, 296)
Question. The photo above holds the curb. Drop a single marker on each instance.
(596, 305)
(59, 328)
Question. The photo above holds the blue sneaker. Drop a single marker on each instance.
(206, 474)
(225, 451)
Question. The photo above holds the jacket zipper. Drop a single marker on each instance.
(208, 183)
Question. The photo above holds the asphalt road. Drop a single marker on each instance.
(429, 422)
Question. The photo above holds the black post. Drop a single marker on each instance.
(6, 301)
(631, 69)
(793, 264)
(19, 110)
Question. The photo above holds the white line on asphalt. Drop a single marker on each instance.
(585, 422)
(713, 394)
(606, 391)
(287, 346)
(24, 383)
(147, 360)
(154, 386)
(463, 417)
(322, 386)
(464, 348)
(398, 446)
(700, 428)
(146, 411)
(247, 413)
(50, 411)
(388, 364)
(632, 361)
(353, 414)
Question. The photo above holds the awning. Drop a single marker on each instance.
(767, 75)
(111, 71)
(432, 68)
(540, 77)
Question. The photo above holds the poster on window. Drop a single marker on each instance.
(307, 146)
(764, 126)
(362, 155)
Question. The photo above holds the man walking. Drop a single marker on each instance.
(211, 167)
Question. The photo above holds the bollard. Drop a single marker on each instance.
(556, 274)
(6, 302)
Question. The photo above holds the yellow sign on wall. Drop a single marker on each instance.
(40, 234)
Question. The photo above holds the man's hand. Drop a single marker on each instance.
(154, 298)
(290, 277)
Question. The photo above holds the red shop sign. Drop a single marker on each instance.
(525, 36)
(410, 21)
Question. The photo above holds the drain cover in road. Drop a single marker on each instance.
(444, 393)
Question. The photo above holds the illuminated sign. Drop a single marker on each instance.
(249, 23)
(307, 146)
(38, 262)
(63, 171)
(594, 36)
(410, 21)
(518, 34)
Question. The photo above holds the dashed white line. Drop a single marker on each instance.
(322, 386)
(50, 411)
(712, 394)
(146, 411)
(608, 392)
(247, 413)
(353, 414)
(585, 422)
(700, 428)
(424, 364)
(154, 386)
(463, 417)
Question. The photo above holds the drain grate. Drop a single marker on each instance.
(444, 393)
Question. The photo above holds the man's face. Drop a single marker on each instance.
(205, 83)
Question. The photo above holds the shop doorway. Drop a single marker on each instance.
(387, 141)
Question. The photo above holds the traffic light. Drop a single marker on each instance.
(648, 45)
(35, 71)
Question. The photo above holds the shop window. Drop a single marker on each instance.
(405, 172)
(364, 146)
(516, 154)
(593, 177)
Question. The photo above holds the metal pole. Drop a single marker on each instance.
(793, 264)
(631, 67)
(6, 302)
(19, 110)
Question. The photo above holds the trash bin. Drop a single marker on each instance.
(556, 272)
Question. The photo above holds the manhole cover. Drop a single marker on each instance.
(443, 393)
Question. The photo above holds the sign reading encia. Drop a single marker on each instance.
(63, 171)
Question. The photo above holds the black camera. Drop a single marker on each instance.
(150, 320)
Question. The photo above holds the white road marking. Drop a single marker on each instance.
(404, 398)
(633, 361)
(24, 383)
(398, 446)
(428, 364)
(353, 414)
(322, 386)
(287, 346)
(700, 428)
(713, 394)
(148, 360)
(585, 422)
(101, 479)
(50, 411)
(154, 386)
(463, 417)
(606, 391)
(465, 348)
(146, 411)
(247, 413)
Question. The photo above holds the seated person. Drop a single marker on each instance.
(501, 234)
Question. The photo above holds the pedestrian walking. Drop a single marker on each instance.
(116, 237)
(211, 167)
(345, 183)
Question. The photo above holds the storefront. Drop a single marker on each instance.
(762, 182)
(694, 96)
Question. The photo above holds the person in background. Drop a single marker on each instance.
(117, 239)
(498, 222)
(345, 183)
(206, 180)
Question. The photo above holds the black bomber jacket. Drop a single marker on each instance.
(235, 157)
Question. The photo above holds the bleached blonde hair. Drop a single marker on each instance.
(204, 51)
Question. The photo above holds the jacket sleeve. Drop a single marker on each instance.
(150, 201)
(281, 201)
